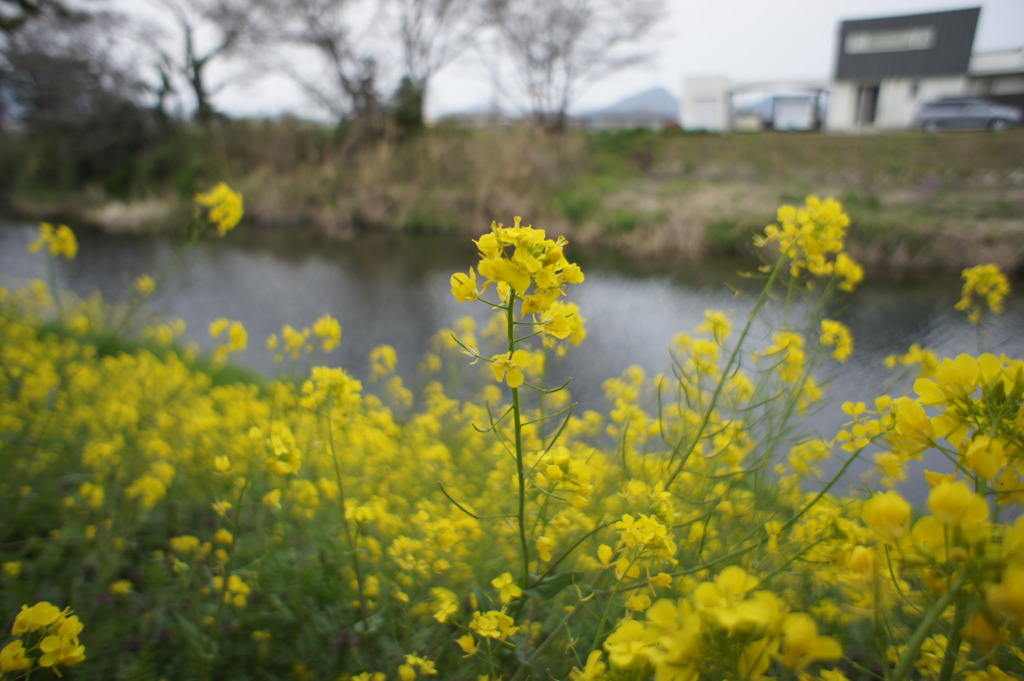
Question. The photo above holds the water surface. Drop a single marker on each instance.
(396, 291)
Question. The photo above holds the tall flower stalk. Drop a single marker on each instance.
(530, 270)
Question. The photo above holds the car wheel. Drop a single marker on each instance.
(997, 125)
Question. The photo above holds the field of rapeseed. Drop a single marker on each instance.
(163, 521)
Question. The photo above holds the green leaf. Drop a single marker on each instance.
(203, 646)
(373, 623)
(550, 586)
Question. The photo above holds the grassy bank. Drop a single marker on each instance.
(918, 201)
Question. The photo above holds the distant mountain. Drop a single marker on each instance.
(655, 108)
(656, 102)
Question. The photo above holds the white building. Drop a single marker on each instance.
(886, 67)
(705, 104)
(721, 105)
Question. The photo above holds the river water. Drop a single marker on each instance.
(396, 291)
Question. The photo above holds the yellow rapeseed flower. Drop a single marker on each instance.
(464, 286)
(59, 646)
(837, 335)
(58, 241)
(986, 456)
(507, 588)
(802, 644)
(508, 367)
(1007, 597)
(593, 670)
(121, 587)
(522, 260)
(493, 624)
(787, 350)
(544, 546)
(812, 238)
(39, 616)
(925, 359)
(145, 285)
(224, 207)
(468, 644)
(984, 286)
(717, 324)
(887, 514)
(954, 505)
(12, 657)
(328, 329)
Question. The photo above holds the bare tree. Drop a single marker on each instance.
(430, 33)
(557, 47)
(57, 65)
(328, 51)
(15, 13)
(206, 30)
(76, 102)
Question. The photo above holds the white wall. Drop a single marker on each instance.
(705, 104)
(898, 99)
(997, 62)
(842, 107)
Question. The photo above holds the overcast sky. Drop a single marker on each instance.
(744, 40)
(749, 40)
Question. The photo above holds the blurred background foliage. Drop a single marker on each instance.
(102, 113)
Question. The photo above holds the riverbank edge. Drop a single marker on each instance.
(673, 237)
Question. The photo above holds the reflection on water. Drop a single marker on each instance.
(396, 291)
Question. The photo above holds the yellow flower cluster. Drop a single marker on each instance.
(319, 530)
(223, 207)
(787, 351)
(984, 286)
(58, 241)
(236, 593)
(954, 549)
(145, 285)
(923, 358)
(837, 335)
(812, 239)
(47, 631)
(416, 667)
(526, 266)
(491, 625)
(293, 343)
(236, 337)
(968, 408)
(516, 258)
(726, 629)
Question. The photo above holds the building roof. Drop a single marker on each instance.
(931, 44)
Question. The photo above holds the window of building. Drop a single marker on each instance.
(902, 40)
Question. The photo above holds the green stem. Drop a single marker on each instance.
(612, 594)
(51, 271)
(223, 595)
(352, 540)
(517, 426)
(953, 645)
(136, 301)
(521, 478)
(544, 645)
(726, 373)
(924, 629)
(823, 491)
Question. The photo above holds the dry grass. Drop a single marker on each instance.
(918, 200)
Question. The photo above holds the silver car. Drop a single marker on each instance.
(966, 113)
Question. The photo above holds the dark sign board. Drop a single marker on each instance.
(933, 44)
